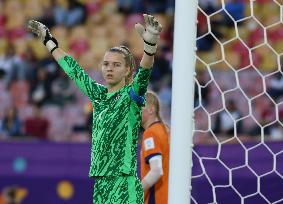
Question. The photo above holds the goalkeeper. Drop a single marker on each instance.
(116, 113)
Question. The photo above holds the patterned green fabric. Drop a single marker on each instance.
(118, 190)
(116, 120)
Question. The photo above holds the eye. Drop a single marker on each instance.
(105, 63)
(117, 64)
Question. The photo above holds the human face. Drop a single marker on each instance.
(114, 69)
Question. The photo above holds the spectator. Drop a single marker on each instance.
(276, 132)
(79, 41)
(165, 91)
(209, 6)
(11, 64)
(69, 13)
(63, 91)
(130, 6)
(204, 43)
(157, 6)
(264, 113)
(236, 8)
(11, 124)
(41, 87)
(224, 124)
(161, 67)
(275, 89)
(37, 125)
(29, 64)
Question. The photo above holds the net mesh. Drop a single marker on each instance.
(238, 130)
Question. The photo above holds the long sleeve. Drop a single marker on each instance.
(139, 85)
(88, 86)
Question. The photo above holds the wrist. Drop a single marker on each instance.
(145, 185)
(51, 45)
(150, 48)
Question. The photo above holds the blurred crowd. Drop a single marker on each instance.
(38, 101)
(239, 81)
(238, 86)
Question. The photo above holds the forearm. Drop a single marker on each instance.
(150, 35)
(151, 178)
(67, 63)
(156, 171)
(58, 54)
(147, 61)
(88, 86)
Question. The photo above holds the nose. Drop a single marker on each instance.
(109, 68)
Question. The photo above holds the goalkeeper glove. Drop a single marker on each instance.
(150, 33)
(44, 34)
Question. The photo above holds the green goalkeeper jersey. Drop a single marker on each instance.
(116, 120)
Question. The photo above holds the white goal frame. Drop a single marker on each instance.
(184, 57)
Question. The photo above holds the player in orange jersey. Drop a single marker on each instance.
(154, 153)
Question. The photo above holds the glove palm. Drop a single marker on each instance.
(44, 34)
(150, 33)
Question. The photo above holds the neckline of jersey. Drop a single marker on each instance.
(115, 92)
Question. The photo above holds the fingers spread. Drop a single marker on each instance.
(146, 19)
(33, 23)
(35, 31)
(151, 19)
(140, 29)
(159, 27)
(155, 22)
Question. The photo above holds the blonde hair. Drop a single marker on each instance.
(129, 59)
(152, 99)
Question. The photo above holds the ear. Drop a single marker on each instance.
(151, 109)
(128, 70)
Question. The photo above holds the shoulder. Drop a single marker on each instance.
(158, 131)
(157, 126)
(130, 92)
(153, 129)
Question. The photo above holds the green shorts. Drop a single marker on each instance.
(118, 190)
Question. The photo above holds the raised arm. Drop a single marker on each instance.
(150, 34)
(88, 86)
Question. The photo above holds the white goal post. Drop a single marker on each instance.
(182, 101)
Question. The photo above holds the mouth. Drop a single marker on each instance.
(109, 76)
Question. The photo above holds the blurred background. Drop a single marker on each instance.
(238, 133)
(239, 71)
(32, 84)
(45, 121)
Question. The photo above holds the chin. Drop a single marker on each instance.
(110, 82)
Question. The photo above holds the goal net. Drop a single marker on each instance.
(238, 107)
